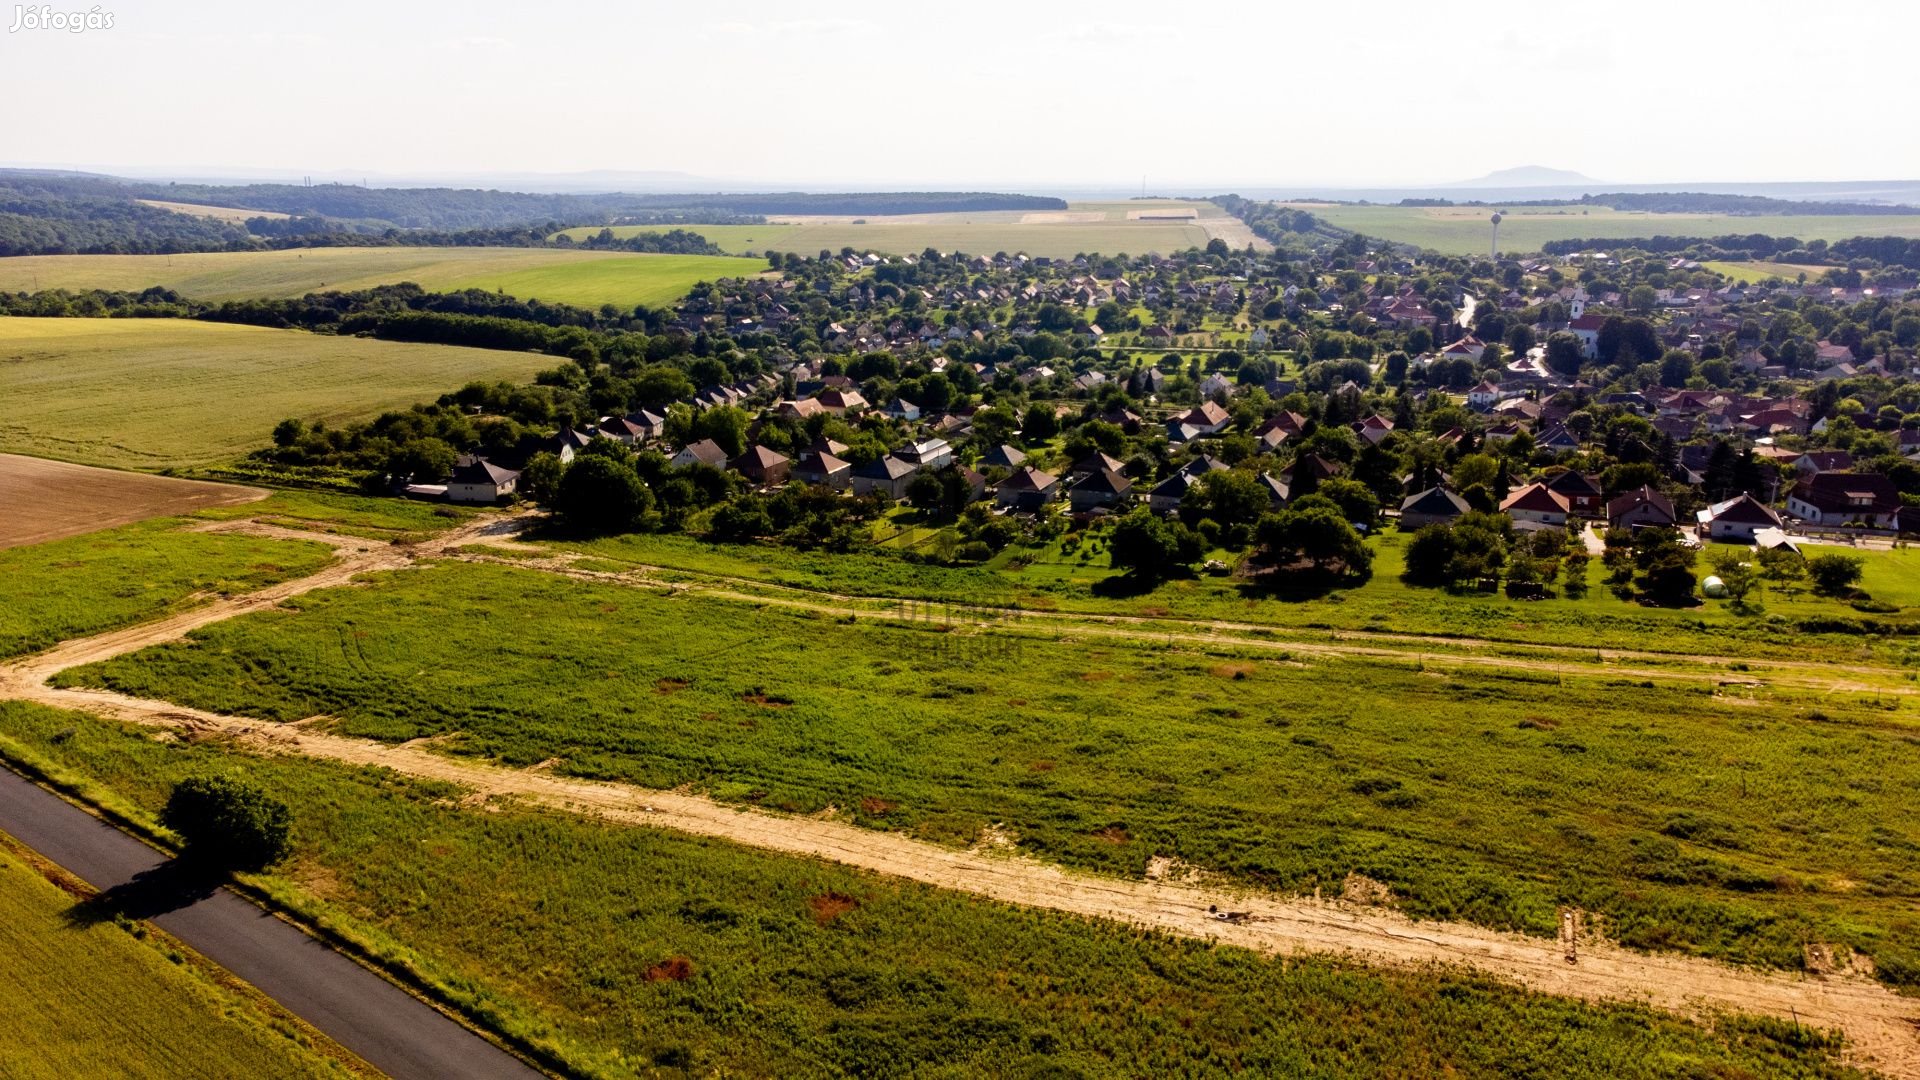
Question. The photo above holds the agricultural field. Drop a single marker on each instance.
(170, 393)
(96, 998)
(232, 215)
(48, 500)
(1737, 824)
(69, 588)
(583, 278)
(1750, 272)
(1106, 228)
(640, 952)
(1464, 230)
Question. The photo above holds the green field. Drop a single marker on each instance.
(159, 393)
(1750, 272)
(80, 998)
(585, 278)
(1464, 230)
(1082, 228)
(86, 584)
(1736, 828)
(638, 952)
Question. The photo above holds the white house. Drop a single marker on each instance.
(477, 480)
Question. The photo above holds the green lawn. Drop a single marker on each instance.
(158, 393)
(639, 952)
(1891, 577)
(588, 278)
(1737, 827)
(1465, 230)
(80, 998)
(87, 584)
(1750, 272)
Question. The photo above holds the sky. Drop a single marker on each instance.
(1038, 94)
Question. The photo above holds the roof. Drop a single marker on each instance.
(884, 468)
(1841, 492)
(1029, 479)
(1003, 455)
(760, 458)
(478, 470)
(1098, 462)
(1537, 499)
(1741, 510)
(1572, 483)
(1642, 496)
(1106, 481)
(1436, 501)
(821, 463)
(706, 451)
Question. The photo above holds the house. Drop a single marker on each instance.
(1468, 348)
(1208, 417)
(1313, 466)
(1028, 489)
(764, 467)
(887, 475)
(1106, 488)
(1434, 506)
(823, 468)
(801, 409)
(1374, 428)
(1277, 491)
(1834, 498)
(1003, 457)
(1815, 462)
(1167, 494)
(1736, 519)
(1483, 396)
(477, 480)
(704, 452)
(1557, 439)
(902, 409)
(1581, 491)
(623, 429)
(646, 425)
(1538, 504)
(927, 454)
(1642, 508)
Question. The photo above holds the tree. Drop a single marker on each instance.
(1038, 425)
(228, 823)
(1229, 497)
(1738, 576)
(1354, 499)
(1429, 556)
(1665, 567)
(1313, 536)
(1151, 547)
(1834, 575)
(540, 480)
(601, 495)
(1565, 354)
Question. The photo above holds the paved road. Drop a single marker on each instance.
(389, 1029)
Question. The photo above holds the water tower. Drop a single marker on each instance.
(1496, 236)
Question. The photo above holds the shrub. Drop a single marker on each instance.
(228, 823)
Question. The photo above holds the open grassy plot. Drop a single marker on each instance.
(81, 998)
(159, 393)
(82, 585)
(1465, 230)
(1074, 575)
(46, 500)
(1739, 827)
(1133, 227)
(1890, 576)
(587, 278)
(1750, 272)
(637, 952)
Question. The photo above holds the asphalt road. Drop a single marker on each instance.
(358, 1009)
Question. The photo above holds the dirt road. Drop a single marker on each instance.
(1883, 1029)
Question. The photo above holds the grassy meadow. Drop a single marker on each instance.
(87, 584)
(1464, 230)
(80, 998)
(1107, 228)
(170, 393)
(584, 278)
(640, 952)
(1737, 825)
(1750, 272)
(1073, 575)
(232, 215)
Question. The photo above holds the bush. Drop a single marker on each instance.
(1834, 575)
(228, 823)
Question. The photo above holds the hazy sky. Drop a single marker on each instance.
(1039, 92)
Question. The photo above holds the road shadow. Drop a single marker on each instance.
(152, 893)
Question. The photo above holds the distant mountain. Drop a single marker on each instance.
(1525, 176)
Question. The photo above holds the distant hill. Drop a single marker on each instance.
(1525, 176)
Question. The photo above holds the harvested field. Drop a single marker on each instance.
(43, 500)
